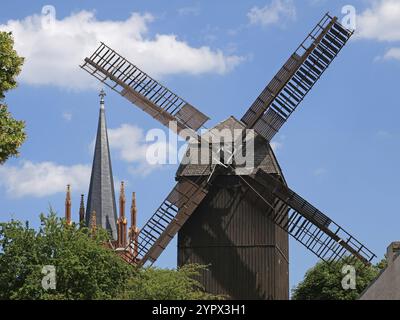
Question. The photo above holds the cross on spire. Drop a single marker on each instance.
(102, 94)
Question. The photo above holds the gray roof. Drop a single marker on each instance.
(264, 156)
(101, 197)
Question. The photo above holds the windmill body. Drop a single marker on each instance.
(233, 235)
(236, 217)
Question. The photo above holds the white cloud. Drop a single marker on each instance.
(129, 142)
(47, 178)
(393, 53)
(67, 116)
(380, 22)
(54, 51)
(189, 11)
(276, 12)
(131, 146)
(43, 179)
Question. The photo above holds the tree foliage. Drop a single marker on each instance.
(85, 267)
(168, 284)
(324, 281)
(12, 133)
(10, 63)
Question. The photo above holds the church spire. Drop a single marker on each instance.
(101, 196)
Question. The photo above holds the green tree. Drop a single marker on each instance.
(12, 133)
(324, 281)
(168, 284)
(85, 267)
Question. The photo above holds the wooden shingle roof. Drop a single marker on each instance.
(264, 156)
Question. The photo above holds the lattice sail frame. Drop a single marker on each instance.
(295, 79)
(308, 225)
(165, 223)
(138, 87)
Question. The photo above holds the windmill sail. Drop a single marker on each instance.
(270, 111)
(296, 78)
(165, 223)
(122, 76)
(307, 224)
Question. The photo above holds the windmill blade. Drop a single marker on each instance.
(307, 224)
(122, 76)
(168, 219)
(295, 79)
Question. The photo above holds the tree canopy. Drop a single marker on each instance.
(324, 281)
(85, 268)
(12, 133)
(168, 284)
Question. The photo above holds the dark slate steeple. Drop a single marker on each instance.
(101, 197)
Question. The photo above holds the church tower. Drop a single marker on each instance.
(101, 197)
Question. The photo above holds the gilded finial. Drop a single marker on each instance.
(134, 199)
(93, 222)
(68, 194)
(134, 231)
(68, 206)
(121, 234)
(82, 209)
(82, 204)
(133, 211)
(122, 190)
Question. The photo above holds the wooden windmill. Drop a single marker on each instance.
(237, 220)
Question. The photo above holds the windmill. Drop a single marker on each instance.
(251, 251)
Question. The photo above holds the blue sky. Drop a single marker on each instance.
(340, 150)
